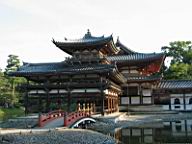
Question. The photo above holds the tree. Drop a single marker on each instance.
(5, 95)
(13, 63)
(181, 54)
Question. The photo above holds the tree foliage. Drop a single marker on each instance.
(181, 63)
(9, 94)
(13, 63)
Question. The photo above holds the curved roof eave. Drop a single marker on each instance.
(123, 47)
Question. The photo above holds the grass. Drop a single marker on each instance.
(7, 113)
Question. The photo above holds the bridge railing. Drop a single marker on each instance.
(74, 116)
(45, 118)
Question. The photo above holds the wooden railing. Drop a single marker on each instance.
(69, 118)
(46, 118)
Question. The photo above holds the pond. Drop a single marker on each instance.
(164, 132)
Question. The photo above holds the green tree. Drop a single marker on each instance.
(5, 95)
(181, 54)
(13, 63)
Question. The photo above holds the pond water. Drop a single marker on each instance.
(165, 132)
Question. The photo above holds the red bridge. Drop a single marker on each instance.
(69, 119)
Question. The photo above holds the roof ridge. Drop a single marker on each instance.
(123, 47)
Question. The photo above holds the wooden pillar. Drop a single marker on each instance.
(116, 103)
(113, 109)
(84, 107)
(40, 103)
(141, 95)
(152, 92)
(47, 95)
(102, 97)
(47, 100)
(68, 99)
(27, 98)
(94, 107)
(184, 101)
(40, 100)
(58, 94)
(69, 96)
(111, 104)
(78, 107)
(108, 103)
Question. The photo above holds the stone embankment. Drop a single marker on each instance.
(21, 124)
(59, 136)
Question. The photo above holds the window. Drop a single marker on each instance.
(176, 101)
(132, 91)
(190, 101)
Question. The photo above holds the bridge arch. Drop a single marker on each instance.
(82, 120)
(59, 117)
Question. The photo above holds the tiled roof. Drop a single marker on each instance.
(135, 57)
(61, 67)
(143, 78)
(123, 48)
(69, 45)
(83, 41)
(175, 84)
(29, 69)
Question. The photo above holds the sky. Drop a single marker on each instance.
(28, 26)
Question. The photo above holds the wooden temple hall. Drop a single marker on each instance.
(100, 75)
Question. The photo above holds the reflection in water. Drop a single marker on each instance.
(166, 132)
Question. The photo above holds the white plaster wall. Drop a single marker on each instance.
(188, 95)
(176, 95)
(148, 131)
(126, 132)
(53, 91)
(181, 107)
(124, 100)
(165, 107)
(146, 92)
(136, 132)
(135, 100)
(148, 139)
(78, 91)
(36, 91)
(32, 91)
(189, 125)
(173, 99)
(147, 100)
(62, 91)
(41, 91)
(182, 124)
(93, 90)
(166, 123)
(189, 107)
(187, 99)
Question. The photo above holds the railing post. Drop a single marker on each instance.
(65, 119)
(40, 120)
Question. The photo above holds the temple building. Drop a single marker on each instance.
(139, 70)
(174, 95)
(86, 80)
(100, 75)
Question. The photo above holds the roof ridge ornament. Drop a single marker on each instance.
(87, 35)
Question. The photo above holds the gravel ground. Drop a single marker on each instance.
(65, 136)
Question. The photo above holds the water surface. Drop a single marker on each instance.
(164, 132)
